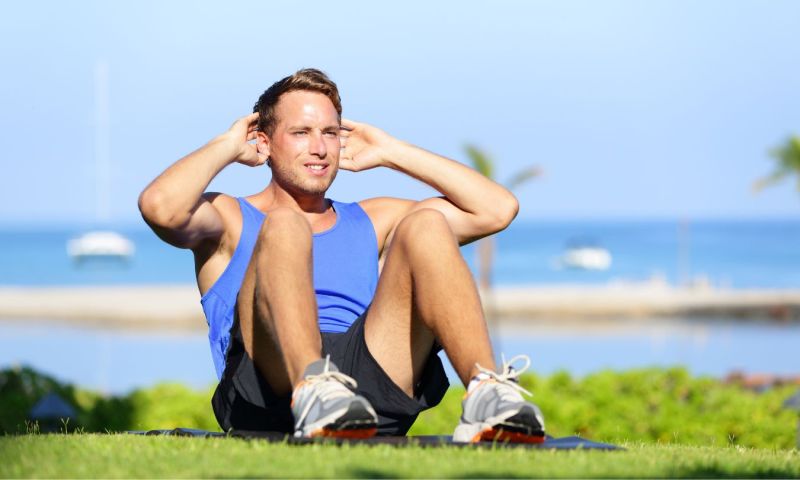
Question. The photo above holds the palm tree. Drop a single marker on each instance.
(484, 164)
(787, 157)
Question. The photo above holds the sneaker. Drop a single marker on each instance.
(324, 405)
(494, 409)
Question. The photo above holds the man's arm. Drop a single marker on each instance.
(474, 205)
(174, 205)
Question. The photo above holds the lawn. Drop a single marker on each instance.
(119, 455)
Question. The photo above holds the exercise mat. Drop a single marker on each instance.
(550, 443)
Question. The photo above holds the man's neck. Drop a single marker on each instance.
(274, 196)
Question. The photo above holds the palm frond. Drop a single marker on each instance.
(480, 160)
(787, 157)
(770, 179)
(523, 176)
(788, 154)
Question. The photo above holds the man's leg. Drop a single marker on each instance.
(277, 315)
(276, 307)
(426, 293)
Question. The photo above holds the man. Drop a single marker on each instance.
(325, 318)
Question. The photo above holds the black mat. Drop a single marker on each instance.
(550, 443)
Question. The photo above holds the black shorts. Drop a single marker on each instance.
(244, 401)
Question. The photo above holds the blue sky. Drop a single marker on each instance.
(633, 109)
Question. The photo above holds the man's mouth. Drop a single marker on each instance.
(318, 169)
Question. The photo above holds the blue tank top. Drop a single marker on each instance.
(345, 274)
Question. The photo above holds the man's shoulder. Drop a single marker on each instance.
(385, 208)
(228, 209)
(219, 198)
(225, 204)
(384, 213)
(386, 203)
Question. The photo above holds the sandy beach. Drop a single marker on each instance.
(642, 300)
(137, 307)
(178, 306)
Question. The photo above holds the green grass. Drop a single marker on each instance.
(90, 455)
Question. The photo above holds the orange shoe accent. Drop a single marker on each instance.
(467, 393)
(354, 434)
(302, 382)
(500, 435)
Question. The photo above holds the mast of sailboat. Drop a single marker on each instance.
(99, 243)
(102, 143)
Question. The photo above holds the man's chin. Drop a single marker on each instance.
(306, 186)
(321, 185)
(314, 188)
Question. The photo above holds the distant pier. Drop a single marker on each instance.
(178, 306)
(643, 300)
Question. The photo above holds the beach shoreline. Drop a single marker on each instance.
(178, 306)
(139, 307)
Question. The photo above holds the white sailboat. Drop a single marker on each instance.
(585, 255)
(587, 258)
(101, 243)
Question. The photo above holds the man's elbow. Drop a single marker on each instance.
(504, 211)
(155, 209)
(510, 210)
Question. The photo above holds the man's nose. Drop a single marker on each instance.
(317, 145)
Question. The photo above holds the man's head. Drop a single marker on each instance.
(298, 128)
(307, 79)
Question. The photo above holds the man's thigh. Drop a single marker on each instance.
(395, 334)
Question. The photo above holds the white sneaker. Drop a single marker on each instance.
(494, 409)
(324, 405)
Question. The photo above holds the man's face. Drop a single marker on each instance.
(304, 146)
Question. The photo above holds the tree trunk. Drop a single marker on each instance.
(485, 263)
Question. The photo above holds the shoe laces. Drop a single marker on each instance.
(509, 376)
(325, 386)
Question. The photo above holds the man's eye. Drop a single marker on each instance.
(300, 133)
(332, 134)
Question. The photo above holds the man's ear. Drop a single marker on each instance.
(262, 143)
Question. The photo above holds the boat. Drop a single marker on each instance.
(585, 256)
(100, 244)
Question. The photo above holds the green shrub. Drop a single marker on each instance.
(21, 388)
(171, 405)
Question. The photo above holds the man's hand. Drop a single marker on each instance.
(364, 146)
(174, 205)
(242, 132)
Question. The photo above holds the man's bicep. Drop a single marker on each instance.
(205, 223)
(386, 213)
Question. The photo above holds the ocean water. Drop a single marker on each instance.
(740, 254)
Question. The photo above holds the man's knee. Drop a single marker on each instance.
(283, 226)
(424, 225)
(285, 222)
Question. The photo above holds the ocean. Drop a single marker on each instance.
(738, 254)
